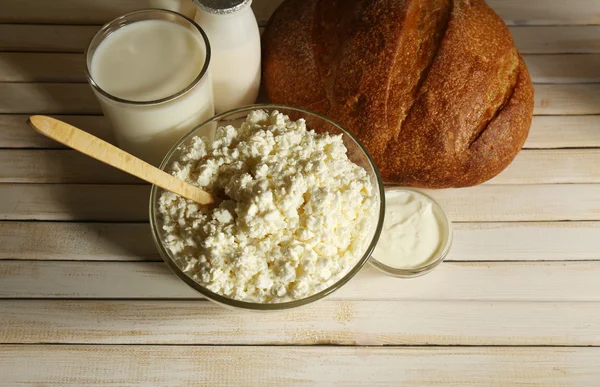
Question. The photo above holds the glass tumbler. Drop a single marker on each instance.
(148, 129)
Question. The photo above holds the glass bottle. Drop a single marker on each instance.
(236, 55)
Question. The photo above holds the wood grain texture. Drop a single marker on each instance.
(15, 132)
(514, 12)
(259, 366)
(48, 98)
(58, 166)
(41, 67)
(525, 241)
(517, 275)
(521, 202)
(567, 99)
(560, 68)
(457, 281)
(76, 38)
(115, 157)
(528, 241)
(557, 39)
(564, 132)
(552, 166)
(327, 322)
(74, 202)
(547, 12)
(78, 98)
(45, 38)
(68, 166)
(547, 132)
(495, 203)
(60, 67)
(77, 241)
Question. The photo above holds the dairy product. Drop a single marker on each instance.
(296, 217)
(147, 61)
(184, 7)
(236, 54)
(412, 233)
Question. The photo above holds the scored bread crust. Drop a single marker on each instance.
(435, 89)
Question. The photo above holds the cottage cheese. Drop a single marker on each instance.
(297, 216)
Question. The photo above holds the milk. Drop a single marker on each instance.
(236, 54)
(143, 66)
(184, 7)
(236, 75)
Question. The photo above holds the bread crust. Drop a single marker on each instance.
(435, 89)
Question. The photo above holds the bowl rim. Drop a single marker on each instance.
(223, 300)
(440, 254)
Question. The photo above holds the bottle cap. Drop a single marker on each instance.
(221, 7)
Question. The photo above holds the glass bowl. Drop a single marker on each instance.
(356, 153)
(441, 253)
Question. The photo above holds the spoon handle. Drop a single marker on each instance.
(109, 154)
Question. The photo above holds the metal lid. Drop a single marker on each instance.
(221, 7)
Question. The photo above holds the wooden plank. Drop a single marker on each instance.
(78, 98)
(546, 131)
(15, 132)
(486, 203)
(76, 38)
(75, 365)
(66, 11)
(45, 38)
(514, 12)
(550, 166)
(521, 202)
(74, 202)
(59, 67)
(557, 39)
(458, 281)
(69, 167)
(41, 67)
(48, 98)
(547, 12)
(567, 99)
(58, 166)
(77, 241)
(327, 322)
(132, 242)
(526, 241)
(556, 68)
(520, 241)
(562, 132)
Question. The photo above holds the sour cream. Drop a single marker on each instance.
(413, 233)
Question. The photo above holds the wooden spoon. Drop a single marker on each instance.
(101, 150)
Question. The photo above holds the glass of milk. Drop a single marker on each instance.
(150, 72)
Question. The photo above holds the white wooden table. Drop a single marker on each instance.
(85, 299)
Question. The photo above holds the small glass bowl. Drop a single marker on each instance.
(441, 253)
(356, 153)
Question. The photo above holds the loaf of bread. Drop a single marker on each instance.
(435, 89)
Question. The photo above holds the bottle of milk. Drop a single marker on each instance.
(235, 42)
(184, 7)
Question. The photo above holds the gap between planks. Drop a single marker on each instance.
(452, 281)
(528, 241)
(547, 132)
(364, 323)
